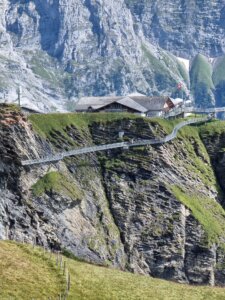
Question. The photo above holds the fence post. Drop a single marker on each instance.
(64, 268)
(7, 232)
(67, 277)
(68, 282)
(57, 259)
(61, 262)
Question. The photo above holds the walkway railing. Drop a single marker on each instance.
(194, 110)
(125, 145)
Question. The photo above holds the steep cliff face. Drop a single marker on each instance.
(66, 49)
(184, 27)
(151, 210)
(74, 48)
(54, 203)
(64, 28)
(214, 139)
(156, 195)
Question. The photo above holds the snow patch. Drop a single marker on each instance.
(186, 62)
(136, 94)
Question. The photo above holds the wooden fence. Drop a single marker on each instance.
(52, 256)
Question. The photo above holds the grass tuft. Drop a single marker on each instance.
(208, 212)
(58, 183)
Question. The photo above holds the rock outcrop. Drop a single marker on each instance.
(150, 210)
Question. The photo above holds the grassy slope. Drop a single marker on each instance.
(210, 214)
(98, 283)
(201, 71)
(213, 128)
(45, 124)
(160, 72)
(26, 274)
(219, 81)
(218, 72)
(201, 81)
(57, 182)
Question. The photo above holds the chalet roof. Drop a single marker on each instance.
(95, 102)
(127, 101)
(136, 102)
(151, 103)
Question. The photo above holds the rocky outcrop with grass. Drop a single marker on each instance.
(150, 210)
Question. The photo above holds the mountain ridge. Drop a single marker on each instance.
(62, 51)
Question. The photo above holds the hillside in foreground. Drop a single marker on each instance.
(26, 273)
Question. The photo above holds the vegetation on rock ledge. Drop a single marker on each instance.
(208, 212)
(56, 182)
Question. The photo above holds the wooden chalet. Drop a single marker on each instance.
(138, 104)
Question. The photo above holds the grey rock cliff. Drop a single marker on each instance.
(73, 48)
(60, 50)
(114, 208)
(184, 27)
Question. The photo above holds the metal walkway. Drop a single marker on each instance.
(125, 145)
(194, 110)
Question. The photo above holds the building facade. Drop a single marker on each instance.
(138, 104)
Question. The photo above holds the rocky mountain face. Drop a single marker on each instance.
(184, 27)
(60, 50)
(67, 49)
(150, 210)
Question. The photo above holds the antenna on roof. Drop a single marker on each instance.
(4, 97)
(19, 94)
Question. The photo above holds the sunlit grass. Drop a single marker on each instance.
(98, 283)
(27, 274)
(47, 123)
